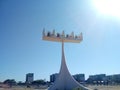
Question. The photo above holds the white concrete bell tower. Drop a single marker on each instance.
(64, 81)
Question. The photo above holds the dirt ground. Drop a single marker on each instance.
(91, 87)
(105, 87)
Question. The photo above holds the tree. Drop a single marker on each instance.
(39, 82)
(20, 83)
(10, 82)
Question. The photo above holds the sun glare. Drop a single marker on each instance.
(108, 7)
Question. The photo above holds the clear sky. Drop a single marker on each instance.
(22, 49)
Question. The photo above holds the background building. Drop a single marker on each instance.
(53, 77)
(29, 78)
(96, 79)
(113, 79)
(79, 77)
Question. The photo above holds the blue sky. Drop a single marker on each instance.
(22, 49)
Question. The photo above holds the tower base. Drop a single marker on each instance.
(65, 81)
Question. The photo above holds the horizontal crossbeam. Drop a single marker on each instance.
(61, 37)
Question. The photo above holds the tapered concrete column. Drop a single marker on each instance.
(65, 81)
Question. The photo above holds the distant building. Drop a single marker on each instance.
(29, 78)
(116, 78)
(53, 77)
(113, 79)
(109, 77)
(79, 77)
(97, 79)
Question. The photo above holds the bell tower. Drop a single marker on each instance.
(64, 81)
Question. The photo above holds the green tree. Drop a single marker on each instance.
(39, 82)
(10, 82)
